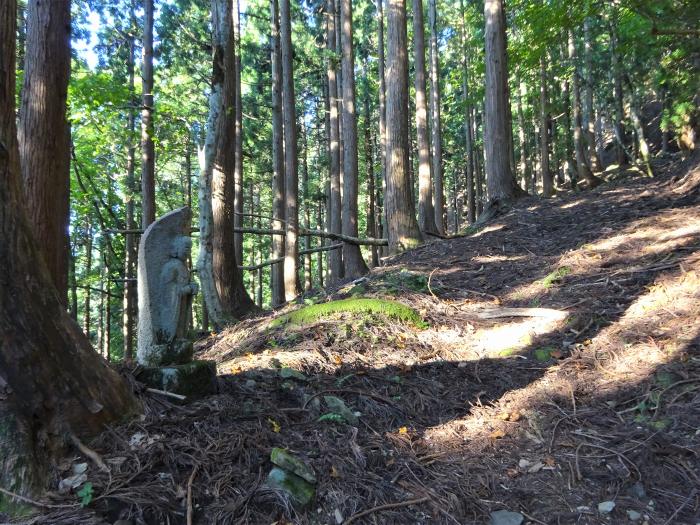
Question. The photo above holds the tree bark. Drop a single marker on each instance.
(545, 125)
(54, 383)
(584, 171)
(291, 256)
(381, 217)
(278, 200)
(148, 183)
(468, 131)
(335, 258)
(497, 130)
(238, 162)
(353, 263)
(426, 211)
(438, 193)
(307, 204)
(87, 321)
(524, 159)
(402, 228)
(44, 133)
(221, 280)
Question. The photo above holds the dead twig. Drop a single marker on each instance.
(385, 507)
(89, 453)
(167, 394)
(35, 503)
(190, 508)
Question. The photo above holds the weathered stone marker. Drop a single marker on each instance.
(165, 293)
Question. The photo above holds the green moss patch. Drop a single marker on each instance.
(357, 306)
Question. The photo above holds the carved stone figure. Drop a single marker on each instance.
(165, 291)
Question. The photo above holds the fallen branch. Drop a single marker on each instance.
(36, 503)
(190, 508)
(179, 397)
(386, 507)
(495, 313)
(89, 453)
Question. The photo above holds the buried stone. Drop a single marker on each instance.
(165, 293)
(293, 476)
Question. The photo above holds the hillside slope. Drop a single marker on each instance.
(556, 375)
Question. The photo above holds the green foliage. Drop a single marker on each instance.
(362, 306)
(555, 277)
(85, 494)
(332, 417)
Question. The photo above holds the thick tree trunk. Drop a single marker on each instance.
(238, 163)
(221, 280)
(278, 200)
(53, 382)
(588, 118)
(584, 171)
(402, 228)
(335, 257)
(438, 193)
(44, 133)
(291, 254)
(426, 212)
(148, 182)
(227, 277)
(497, 130)
(381, 217)
(545, 125)
(353, 263)
(478, 168)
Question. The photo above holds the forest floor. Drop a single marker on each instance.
(584, 408)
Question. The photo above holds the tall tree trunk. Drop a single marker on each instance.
(569, 164)
(291, 254)
(87, 307)
(497, 129)
(319, 255)
(353, 263)
(436, 123)
(44, 133)
(618, 94)
(221, 280)
(478, 168)
(335, 257)
(307, 204)
(381, 217)
(73, 287)
(588, 118)
(238, 165)
(148, 182)
(402, 228)
(545, 125)
(584, 171)
(130, 300)
(468, 131)
(522, 141)
(426, 212)
(369, 161)
(54, 383)
(278, 200)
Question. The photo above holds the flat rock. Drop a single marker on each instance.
(287, 461)
(301, 491)
(506, 517)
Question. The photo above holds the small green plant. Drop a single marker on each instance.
(555, 276)
(85, 494)
(507, 352)
(544, 354)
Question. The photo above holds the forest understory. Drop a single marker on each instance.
(557, 377)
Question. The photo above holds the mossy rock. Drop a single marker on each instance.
(195, 379)
(301, 491)
(362, 306)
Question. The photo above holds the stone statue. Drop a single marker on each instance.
(165, 291)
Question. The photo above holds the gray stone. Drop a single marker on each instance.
(193, 380)
(637, 491)
(606, 507)
(300, 490)
(506, 517)
(165, 291)
(633, 515)
(284, 459)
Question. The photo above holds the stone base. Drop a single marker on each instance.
(194, 379)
